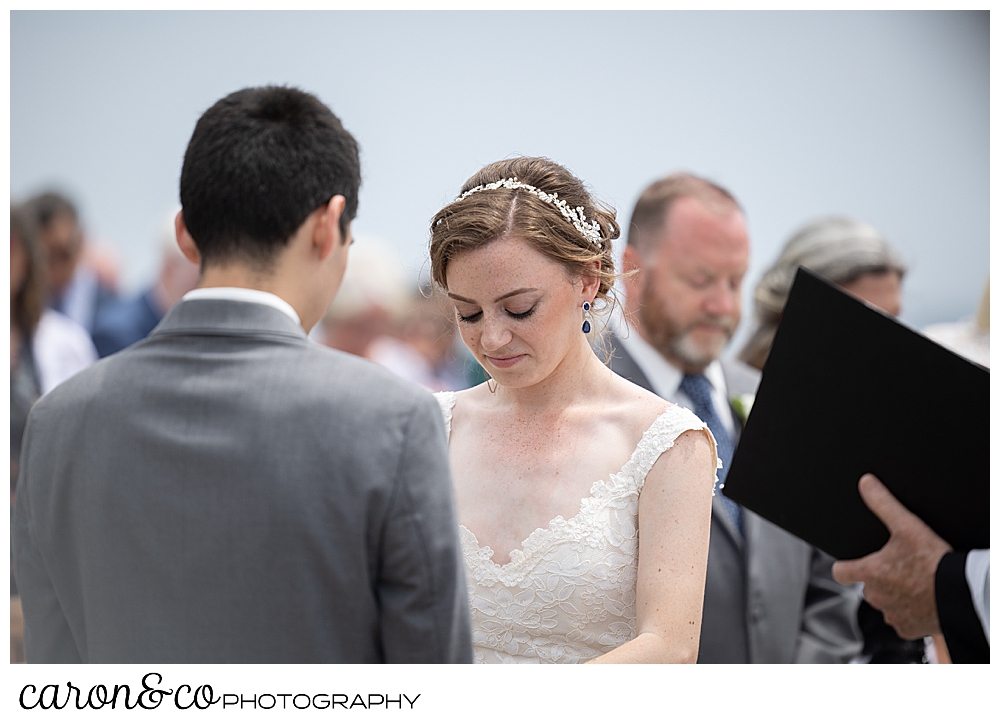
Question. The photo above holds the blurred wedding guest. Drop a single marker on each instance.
(51, 346)
(854, 255)
(769, 597)
(425, 351)
(45, 346)
(80, 281)
(849, 253)
(378, 314)
(127, 321)
(27, 299)
(371, 302)
(969, 338)
(103, 260)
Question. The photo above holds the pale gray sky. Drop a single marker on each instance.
(880, 115)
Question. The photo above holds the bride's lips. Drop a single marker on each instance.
(505, 362)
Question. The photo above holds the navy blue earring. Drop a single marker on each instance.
(586, 317)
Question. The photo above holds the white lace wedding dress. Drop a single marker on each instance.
(568, 594)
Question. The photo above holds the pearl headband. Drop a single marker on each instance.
(591, 230)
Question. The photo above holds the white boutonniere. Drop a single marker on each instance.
(742, 405)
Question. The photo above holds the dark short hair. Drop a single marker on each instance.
(651, 210)
(258, 163)
(47, 206)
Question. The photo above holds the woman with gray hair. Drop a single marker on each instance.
(848, 252)
(858, 258)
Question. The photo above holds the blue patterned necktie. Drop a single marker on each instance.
(698, 388)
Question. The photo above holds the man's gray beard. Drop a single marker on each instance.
(694, 359)
(673, 343)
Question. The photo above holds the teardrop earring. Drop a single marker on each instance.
(586, 317)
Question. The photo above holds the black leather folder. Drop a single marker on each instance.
(847, 390)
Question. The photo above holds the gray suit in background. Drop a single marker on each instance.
(228, 491)
(772, 597)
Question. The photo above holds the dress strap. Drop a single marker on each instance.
(447, 402)
(660, 437)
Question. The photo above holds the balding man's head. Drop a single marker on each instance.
(653, 208)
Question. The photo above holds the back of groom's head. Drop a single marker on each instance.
(258, 163)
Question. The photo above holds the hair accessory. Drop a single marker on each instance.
(586, 317)
(591, 230)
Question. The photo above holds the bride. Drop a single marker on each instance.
(556, 566)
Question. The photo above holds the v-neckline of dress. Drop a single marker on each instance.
(523, 558)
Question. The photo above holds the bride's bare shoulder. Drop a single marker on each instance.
(638, 399)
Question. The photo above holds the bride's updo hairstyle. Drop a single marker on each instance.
(476, 219)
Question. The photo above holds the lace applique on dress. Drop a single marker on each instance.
(568, 594)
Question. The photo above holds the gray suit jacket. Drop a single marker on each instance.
(770, 598)
(228, 491)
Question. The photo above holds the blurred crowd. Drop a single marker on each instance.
(382, 315)
(67, 311)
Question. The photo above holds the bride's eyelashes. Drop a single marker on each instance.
(473, 318)
(522, 315)
(469, 319)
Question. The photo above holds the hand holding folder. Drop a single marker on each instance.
(899, 577)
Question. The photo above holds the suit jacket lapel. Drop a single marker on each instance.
(719, 512)
(718, 509)
(737, 424)
(749, 528)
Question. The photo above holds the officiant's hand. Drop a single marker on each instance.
(899, 578)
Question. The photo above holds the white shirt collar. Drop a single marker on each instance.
(240, 294)
(665, 379)
(717, 378)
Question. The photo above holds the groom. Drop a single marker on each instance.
(226, 490)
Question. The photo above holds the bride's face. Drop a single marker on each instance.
(519, 312)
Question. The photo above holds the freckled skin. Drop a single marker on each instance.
(558, 422)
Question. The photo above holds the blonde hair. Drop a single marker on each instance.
(495, 214)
